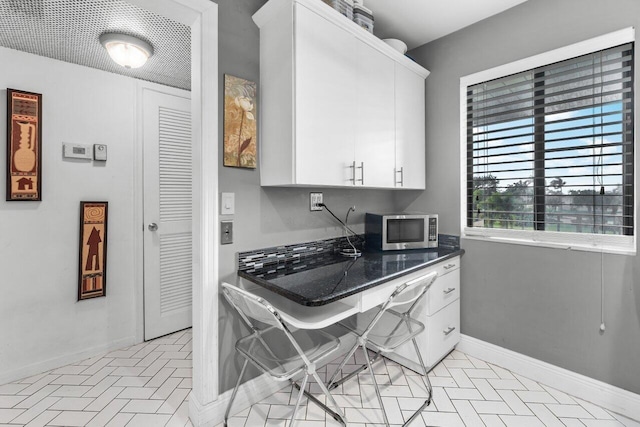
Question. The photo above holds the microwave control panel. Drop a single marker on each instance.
(433, 231)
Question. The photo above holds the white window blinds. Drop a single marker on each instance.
(551, 148)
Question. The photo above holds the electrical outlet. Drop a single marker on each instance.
(314, 201)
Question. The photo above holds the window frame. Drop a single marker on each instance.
(621, 244)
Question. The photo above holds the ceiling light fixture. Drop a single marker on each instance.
(125, 50)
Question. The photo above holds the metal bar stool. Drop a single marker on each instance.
(278, 351)
(384, 330)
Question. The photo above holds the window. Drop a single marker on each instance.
(549, 150)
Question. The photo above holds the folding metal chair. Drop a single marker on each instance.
(384, 330)
(277, 350)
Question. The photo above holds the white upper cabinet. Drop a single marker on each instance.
(325, 101)
(339, 108)
(374, 118)
(410, 131)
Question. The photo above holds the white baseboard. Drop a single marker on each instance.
(250, 392)
(597, 392)
(64, 360)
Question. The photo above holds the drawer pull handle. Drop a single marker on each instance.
(448, 291)
(449, 266)
(449, 330)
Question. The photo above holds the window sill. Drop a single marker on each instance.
(618, 245)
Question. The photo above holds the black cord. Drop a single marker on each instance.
(340, 221)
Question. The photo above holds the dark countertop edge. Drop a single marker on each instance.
(367, 285)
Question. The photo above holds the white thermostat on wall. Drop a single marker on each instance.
(100, 152)
(76, 151)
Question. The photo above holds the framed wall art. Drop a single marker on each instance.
(240, 123)
(92, 281)
(24, 145)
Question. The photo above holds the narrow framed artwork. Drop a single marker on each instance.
(240, 123)
(24, 145)
(92, 280)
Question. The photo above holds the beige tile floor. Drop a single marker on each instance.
(148, 385)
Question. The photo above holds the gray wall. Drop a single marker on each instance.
(541, 302)
(267, 216)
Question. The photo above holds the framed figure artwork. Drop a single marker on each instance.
(92, 280)
(24, 146)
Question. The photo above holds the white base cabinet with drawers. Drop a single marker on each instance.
(440, 313)
(339, 107)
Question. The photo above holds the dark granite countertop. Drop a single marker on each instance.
(325, 278)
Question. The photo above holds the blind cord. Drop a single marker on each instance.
(602, 326)
(602, 195)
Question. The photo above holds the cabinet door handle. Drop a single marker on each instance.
(401, 172)
(353, 172)
(449, 266)
(448, 291)
(361, 167)
(449, 330)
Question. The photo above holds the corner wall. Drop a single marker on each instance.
(42, 325)
(541, 302)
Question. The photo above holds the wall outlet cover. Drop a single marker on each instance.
(314, 200)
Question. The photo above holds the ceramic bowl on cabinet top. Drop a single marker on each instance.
(398, 45)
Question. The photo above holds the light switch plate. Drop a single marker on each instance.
(100, 152)
(227, 204)
(226, 232)
(76, 151)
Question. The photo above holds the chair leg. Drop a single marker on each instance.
(330, 399)
(425, 377)
(235, 390)
(344, 362)
(427, 383)
(300, 394)
(375, 384)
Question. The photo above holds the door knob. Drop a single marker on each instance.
(153, 226)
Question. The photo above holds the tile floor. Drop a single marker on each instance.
(148, 385)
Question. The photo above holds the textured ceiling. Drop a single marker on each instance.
(68, 30)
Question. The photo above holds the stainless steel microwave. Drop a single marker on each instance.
(388, 232)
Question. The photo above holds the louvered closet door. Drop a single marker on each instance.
(167, 213)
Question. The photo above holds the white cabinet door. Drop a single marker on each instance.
(325, 101)
(410, 130)
(374, 118)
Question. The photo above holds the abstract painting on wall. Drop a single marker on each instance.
(93, 250)
(240, 123)
(24, 145)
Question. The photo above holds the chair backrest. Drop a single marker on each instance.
(251, 306)
(412, 291)
(406, 294)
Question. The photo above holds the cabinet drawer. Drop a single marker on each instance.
(444, 291)
(448, 266)
(443, 333)
(440, 336)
